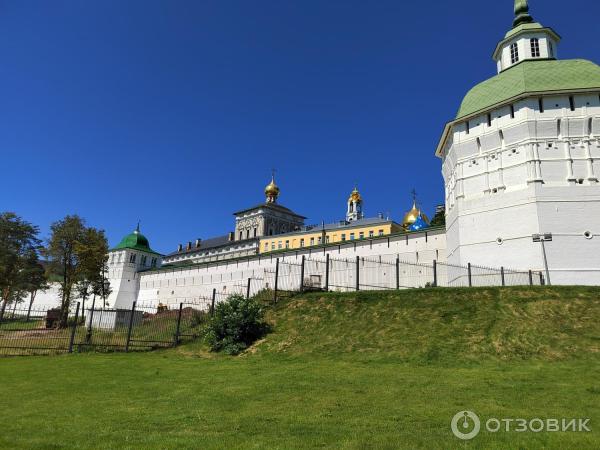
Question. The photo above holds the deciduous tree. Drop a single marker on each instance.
(18, 241)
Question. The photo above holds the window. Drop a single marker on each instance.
(514, 53)
(132, 258)
(343, 236)
(287, 244)
(590, 130)
(371, 233)
(144, 259)
(468, 128)
(327, 239)
(255, 231)
(273, 245)
(489, 120)
(512, 111)
(320, 240)
(535, 47)
(541, 104)
(279, 244)
(312, 241)
(247, 234)
(572, 102)
(302, 242)
(361, 235)
(380, 232)
(153, 263)
(551, 47)
(351, 236)
(241, 235)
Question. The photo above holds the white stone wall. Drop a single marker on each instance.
(195, 283)
(536, 172)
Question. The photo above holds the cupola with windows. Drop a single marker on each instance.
(354, 211)
(527, 40)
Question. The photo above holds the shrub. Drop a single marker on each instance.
(236, 324)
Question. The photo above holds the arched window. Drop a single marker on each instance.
(590, 124)
(351, 206)
(535, 47)
(551, 48)
(501, 134)
(514, 53)
(558, 128)
(479, 146)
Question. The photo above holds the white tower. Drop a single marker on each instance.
(354, 211)
(522, 157)
(130, 256)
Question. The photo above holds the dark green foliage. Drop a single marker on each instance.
(236, 324)
(19, 248)
(439, 219)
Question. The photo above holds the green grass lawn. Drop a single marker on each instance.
(373, 370)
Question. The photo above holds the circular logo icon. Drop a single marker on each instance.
(465, 425)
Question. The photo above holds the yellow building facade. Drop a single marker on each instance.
(330, 234)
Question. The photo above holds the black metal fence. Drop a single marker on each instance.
(383, 273)
(143, 327)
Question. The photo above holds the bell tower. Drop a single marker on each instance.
(354, 211)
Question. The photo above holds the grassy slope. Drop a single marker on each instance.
(340, 371)
(441, 325)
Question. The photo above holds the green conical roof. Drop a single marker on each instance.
(531, 77)
(135, 241)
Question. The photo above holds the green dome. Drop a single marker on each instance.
(531, 77)
(135, 241)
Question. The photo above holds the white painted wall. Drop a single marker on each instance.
(534, 173)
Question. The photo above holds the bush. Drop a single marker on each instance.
(236, 324)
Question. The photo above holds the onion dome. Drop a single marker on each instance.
(355, 196)
(411, 216)
(272, 191)
(418, 224)
(135, 241)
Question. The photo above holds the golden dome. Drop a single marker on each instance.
(411, 216)
(355, 196)
(272, 190)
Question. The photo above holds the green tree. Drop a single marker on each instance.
(439, 219)
(18, 241)
(93, 259)
(34, 278)
(66, 237)
(77, 256)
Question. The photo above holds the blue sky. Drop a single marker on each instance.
(174, 112)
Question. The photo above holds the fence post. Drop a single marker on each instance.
(502, 275)
(327, 272)
(302, 274)
(177, 328)
(358, 273)
(530, 278)
(130, 327)
(470, 277)
(434, 273)
(276, 280)
(397, 272)
(74, 329)
(248, 288)
(88, 335)
(212, 303)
